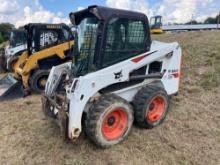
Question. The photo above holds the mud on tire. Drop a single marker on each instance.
(109, 121)
(150, 106)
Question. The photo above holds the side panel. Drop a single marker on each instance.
(171, 77)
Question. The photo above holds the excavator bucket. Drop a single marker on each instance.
(10, 88)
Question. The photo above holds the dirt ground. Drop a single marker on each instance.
(189, 135)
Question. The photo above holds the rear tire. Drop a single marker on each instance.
(150, 106)
(109, 121)
(38, 80)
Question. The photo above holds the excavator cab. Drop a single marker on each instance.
(48, 45)
(156, 24)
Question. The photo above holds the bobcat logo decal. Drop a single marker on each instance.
(118, 75)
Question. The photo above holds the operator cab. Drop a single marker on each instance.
(107, 36)
(43, 36)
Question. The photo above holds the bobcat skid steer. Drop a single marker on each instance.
(48, 45)
(119, 76)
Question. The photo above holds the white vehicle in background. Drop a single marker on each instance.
(17, 45)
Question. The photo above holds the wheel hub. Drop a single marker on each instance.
(111, 121)
(115, 124)
(156, 109)
(152, 105)
(43, 82)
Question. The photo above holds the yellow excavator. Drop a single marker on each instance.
(156, 24)
(48, 45)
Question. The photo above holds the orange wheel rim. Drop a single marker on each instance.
(156, 109)
(115, 124)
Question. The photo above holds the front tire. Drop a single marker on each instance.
(150, 106)
(109, 121)
(38, 80)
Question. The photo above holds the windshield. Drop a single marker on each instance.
(158, 20)
(87, 41)
(17, 38)
(152, 21)
(87, 34)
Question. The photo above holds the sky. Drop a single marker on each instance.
(20, 12)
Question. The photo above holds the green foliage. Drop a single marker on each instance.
(1, 38)
(211, 20)
(193, 22)
(5, 29)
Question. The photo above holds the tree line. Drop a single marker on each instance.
(209, 20)
(5, 28)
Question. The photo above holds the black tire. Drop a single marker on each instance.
(99, 121)
(151, 105)
(36, 78)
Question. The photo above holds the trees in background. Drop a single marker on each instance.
(209, 20)
(193, 22)
(1, 38)
(212, 20)
(5, 29)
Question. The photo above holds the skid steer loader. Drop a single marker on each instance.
(47, 45)
(119, 76)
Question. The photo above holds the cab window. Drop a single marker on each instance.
(124, 39)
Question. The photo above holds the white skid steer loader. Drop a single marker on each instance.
(119, 76)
